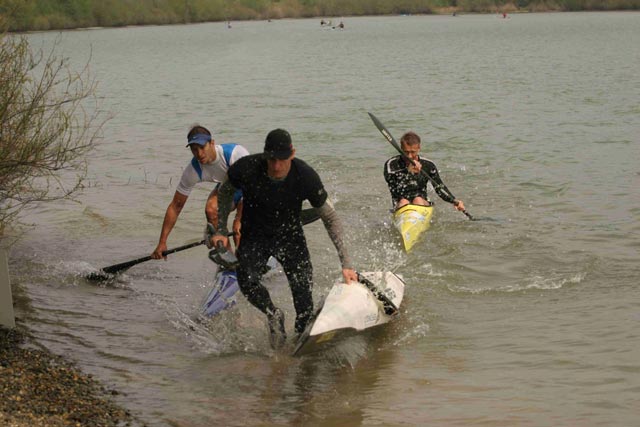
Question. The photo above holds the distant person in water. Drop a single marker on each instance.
(406, 184)
(341, 25)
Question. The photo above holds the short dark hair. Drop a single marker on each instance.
(410, 138)
(196, 129)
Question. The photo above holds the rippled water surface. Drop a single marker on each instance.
(529, 317)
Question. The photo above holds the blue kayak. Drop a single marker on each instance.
(223, 293)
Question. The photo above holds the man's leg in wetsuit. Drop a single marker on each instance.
(296, 263)
(252, 256)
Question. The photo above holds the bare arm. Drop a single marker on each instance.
(237, 224)
(211, 208)
(170, 218)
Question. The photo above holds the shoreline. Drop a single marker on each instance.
(42, 389)
(445, 11)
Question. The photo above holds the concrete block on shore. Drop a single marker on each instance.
(7, 317)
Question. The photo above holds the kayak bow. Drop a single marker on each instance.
(412, 221)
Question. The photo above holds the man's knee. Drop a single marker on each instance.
(401, 203)
(420, 201)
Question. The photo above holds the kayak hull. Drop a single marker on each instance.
(224, 292)
(350, 309)
(412, 221)
(222, 295)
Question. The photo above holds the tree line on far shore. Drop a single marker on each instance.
(28, 15)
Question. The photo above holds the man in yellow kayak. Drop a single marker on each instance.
(408, 181)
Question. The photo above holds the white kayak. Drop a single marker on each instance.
(351, 308)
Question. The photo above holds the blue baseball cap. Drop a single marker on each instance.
(199, 138)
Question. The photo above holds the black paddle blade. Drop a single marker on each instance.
(383, 130)
(221, 256)
(99, 276)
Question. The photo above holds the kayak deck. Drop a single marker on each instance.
(350, 309)
(412, 221)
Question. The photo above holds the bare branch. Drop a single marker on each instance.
(46, 126)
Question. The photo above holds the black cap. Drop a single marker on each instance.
(278, 144)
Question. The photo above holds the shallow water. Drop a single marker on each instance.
(528, 318)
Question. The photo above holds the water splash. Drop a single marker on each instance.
(418, 331)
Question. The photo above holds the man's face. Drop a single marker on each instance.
(411, 151)
(204, 153)
(279, 168)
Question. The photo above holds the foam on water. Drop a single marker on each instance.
(534, 282)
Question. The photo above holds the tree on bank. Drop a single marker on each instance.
(47, 125)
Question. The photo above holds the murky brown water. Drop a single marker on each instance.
(529, 320)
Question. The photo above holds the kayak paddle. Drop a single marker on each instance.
(108, 272)
(383, 130)
(307, 216)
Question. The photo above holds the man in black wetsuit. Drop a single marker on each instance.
(406, 184)
(274, 185)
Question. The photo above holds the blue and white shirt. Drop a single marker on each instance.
(195, 172)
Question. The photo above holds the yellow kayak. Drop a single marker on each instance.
(412, 221)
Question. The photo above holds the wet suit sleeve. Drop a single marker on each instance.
(317, 196)
(393, 180)
(441, 189)
(315, 192)
(333, 225)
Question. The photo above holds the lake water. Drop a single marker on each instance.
(530, 317)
